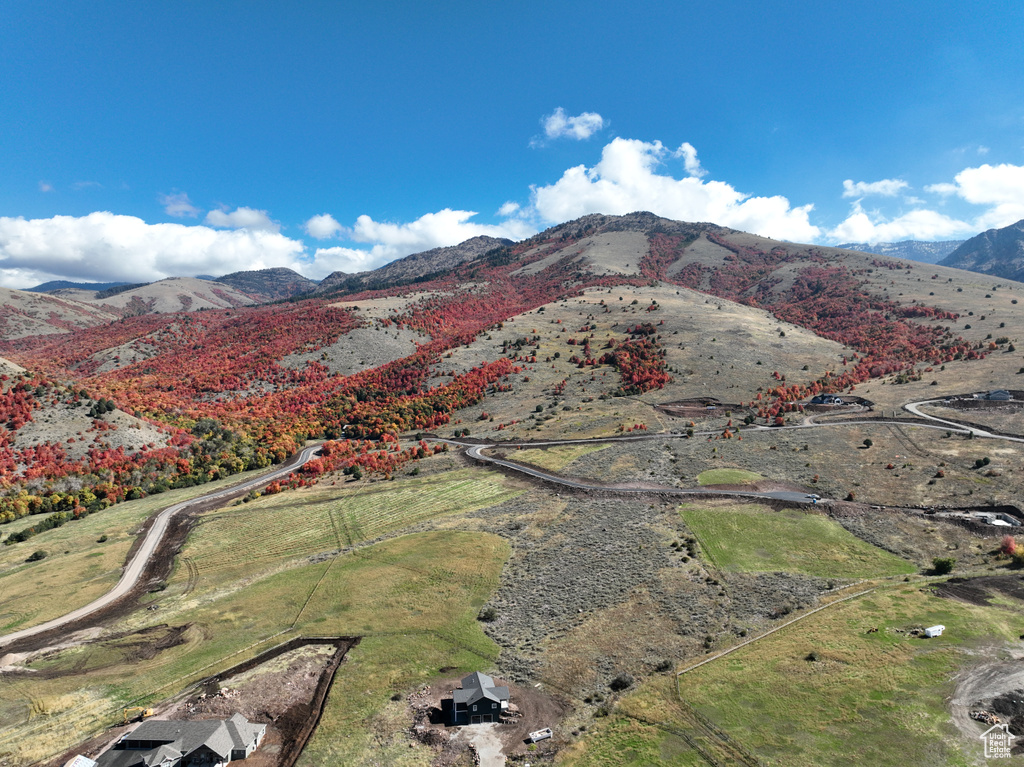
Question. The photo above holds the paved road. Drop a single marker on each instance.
(134, 569)
(912, 407)
(475, 451)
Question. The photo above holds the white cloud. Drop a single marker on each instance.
(323, 227)
(389, 241)
(103, 246)
(991, 184)
(998, 187)
(178, 205)
(560, 125)
(690, 161)
(349, 260)
(508, 209)
(45, 186)
(242, 218)
(887, 187)
(945, 189)
(920, 224)
(625, 180)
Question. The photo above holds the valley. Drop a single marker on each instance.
(583, 463)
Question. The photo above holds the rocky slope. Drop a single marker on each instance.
(269, 284)
(413, 267)
(913, 250)
(999, 252)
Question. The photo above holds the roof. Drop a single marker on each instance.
(479, 686)
(218, 735)
(81, 761)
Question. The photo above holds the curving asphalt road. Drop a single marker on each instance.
(782, 495)
(134, 569)
(475, 450)
(912, 407)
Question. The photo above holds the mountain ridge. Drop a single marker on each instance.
(997, 252)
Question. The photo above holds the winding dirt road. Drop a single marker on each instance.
(134, 569)
(474, 449)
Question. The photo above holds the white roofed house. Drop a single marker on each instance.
(479, 700)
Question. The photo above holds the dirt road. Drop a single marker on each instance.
(984, 682)
(153, 538)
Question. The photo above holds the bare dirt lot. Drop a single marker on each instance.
(979, 591)
(285, 691)
(532, 710)
(995, 686)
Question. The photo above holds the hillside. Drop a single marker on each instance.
(997, 252)
(413, 267)
(269, 284)
(52, 285)
(38, 314)
(174, 294)
(643, 364)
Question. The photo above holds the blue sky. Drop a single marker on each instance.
(143, 140)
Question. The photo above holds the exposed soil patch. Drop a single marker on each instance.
(1010, 708)
(698, 407)
(996, 687)
(285, 687)
(979, 591)
(531, 709)
(287, 691)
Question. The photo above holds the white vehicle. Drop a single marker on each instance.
(540, 734)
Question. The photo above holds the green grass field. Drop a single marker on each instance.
(415, 596)
(753, 538)
(727, 477)
(877, 699)
(241, 540)
(35, 592)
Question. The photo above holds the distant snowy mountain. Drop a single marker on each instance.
(913, 250)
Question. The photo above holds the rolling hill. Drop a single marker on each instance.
(411, 268)
(37, 314)
(174, 294)
(269, 284)
(679, 357)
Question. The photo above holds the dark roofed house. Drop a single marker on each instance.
(478, 701)
(1000, 395)
(207, 742)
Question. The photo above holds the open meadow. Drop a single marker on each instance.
(848, 685)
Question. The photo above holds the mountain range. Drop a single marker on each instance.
(912, 250)
(999, 252)
(640, 364)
